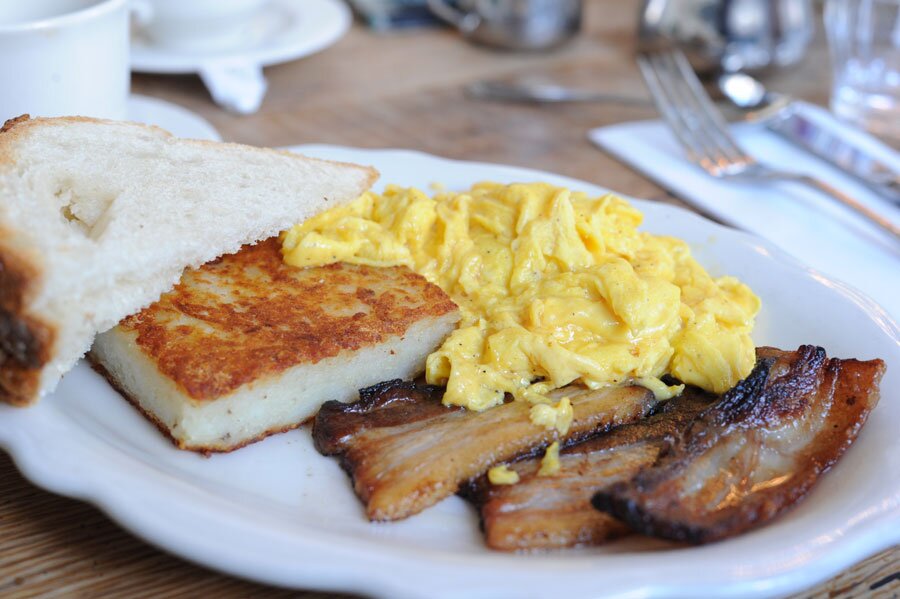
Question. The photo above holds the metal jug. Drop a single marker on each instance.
(731, 35)
(513, 24)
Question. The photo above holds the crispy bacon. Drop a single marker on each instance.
(542, 512)
(405, 451)
(755, 453)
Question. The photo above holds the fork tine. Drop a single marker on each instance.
(687, 108)
(682, 102)
(704, 134)
(676, 105)
(719, 127)
(665, 106)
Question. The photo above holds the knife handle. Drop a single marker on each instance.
(850, 203)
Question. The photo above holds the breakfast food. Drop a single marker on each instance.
(406, 451)
(763, 444)
(559, 291)
(544, 511)
(554, 287)
(245, 346)
(98, 218)
(755, 453)
(595, 366)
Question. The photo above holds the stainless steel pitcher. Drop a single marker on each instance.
(513, 24)
(733, 35)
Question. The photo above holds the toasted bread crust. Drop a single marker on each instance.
(26, 342)
(10, 123)
(248, 315)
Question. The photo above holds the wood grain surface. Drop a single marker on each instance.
(402, 90)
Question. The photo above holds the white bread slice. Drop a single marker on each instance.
(247, 346)
(98, 218)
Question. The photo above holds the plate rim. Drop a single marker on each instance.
(321, 573)
(158, 112)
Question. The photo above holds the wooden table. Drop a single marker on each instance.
(405, 91)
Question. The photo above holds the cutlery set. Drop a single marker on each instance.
(703, 132)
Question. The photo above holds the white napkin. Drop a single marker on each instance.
(236, 85)
(805, 223)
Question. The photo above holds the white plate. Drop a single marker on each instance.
(278, 512)
(175, 119)
(288, 29)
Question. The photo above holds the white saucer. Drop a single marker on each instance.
(178, 121)
(289, 29)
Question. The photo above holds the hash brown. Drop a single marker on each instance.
(245, 345)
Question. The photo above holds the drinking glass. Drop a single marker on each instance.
(864, 41)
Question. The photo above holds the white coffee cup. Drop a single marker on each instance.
(64, 57)
(198, 25)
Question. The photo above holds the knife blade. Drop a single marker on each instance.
(840, 152)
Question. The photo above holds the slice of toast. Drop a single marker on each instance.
(98, 218)
(246, 346)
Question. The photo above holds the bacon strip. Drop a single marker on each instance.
(755, 453)
(544, 512)
(405, 451)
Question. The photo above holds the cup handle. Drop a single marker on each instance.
(141, 12)
(466, 22)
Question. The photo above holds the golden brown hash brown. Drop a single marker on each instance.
(210, 338)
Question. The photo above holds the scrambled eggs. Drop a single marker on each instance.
(550, 462)
(559, 416)
(502, 475)
(554, 287)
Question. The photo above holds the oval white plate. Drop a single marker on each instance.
(278, 512)
(175, 119)
(290, 29)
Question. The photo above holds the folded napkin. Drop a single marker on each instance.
(811, 226)
(237, 85)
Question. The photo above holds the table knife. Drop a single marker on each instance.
(840, 152)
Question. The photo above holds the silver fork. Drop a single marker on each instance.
(703, 131)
